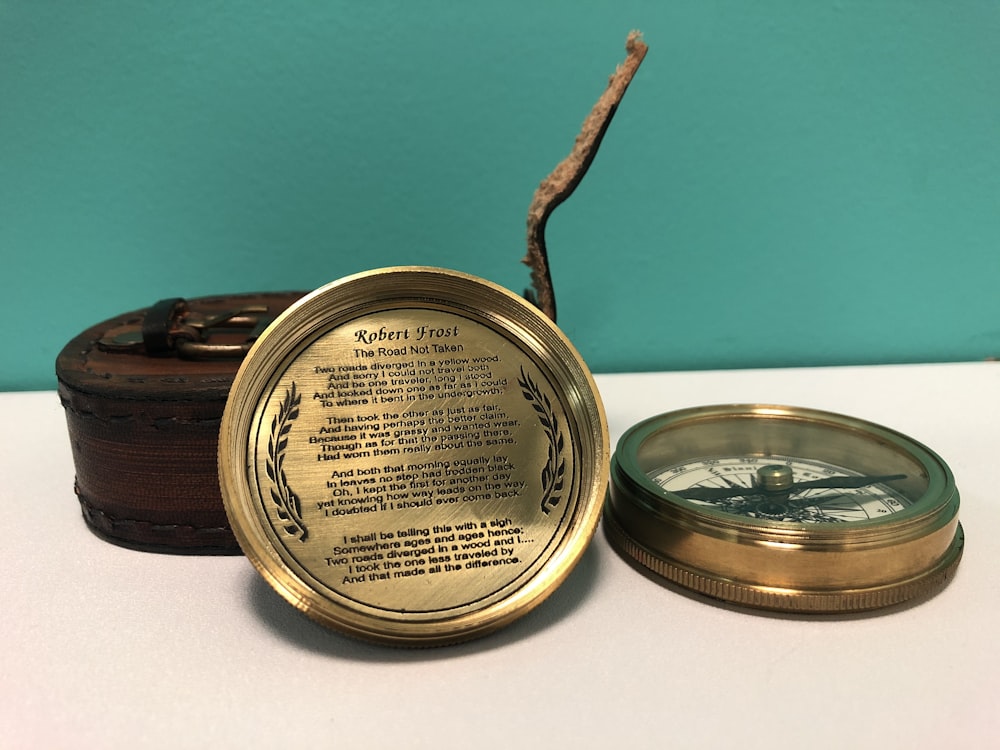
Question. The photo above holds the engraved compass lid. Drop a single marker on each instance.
(413, 456)
(784, 508)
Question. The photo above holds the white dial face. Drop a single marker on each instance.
(782, 488)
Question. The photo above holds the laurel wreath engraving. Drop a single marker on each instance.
(289, 505)
(555, 464)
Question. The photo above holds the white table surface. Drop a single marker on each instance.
(109, 647)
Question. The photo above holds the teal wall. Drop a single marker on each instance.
(786, 183)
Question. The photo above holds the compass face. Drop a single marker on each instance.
(733, 484)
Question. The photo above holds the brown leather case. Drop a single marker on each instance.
(144, 394)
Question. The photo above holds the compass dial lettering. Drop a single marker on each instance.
(717, 482)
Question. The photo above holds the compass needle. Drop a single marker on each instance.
(762, 473)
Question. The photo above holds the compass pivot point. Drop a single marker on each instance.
(774, 478)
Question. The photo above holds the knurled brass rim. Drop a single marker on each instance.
(776, 565)
(787, 600)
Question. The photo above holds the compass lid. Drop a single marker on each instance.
(413, 456)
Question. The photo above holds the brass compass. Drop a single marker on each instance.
(784, 508)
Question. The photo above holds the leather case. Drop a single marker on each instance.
(143, 395)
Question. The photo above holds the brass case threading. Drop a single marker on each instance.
(780, 564)
(414, 456)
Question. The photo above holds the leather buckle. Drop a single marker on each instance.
(171, 328)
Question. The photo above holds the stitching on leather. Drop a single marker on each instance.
(119, 418)
(92, 510)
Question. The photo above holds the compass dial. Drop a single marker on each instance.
(747, 479)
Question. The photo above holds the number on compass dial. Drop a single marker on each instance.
(781, 488)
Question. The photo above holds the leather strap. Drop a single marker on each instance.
(157, 324)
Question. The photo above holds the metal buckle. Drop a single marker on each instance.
(171, 328)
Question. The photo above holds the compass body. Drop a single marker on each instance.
(784, 508)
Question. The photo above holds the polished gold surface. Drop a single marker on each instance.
(784, 508)
(413, 456)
